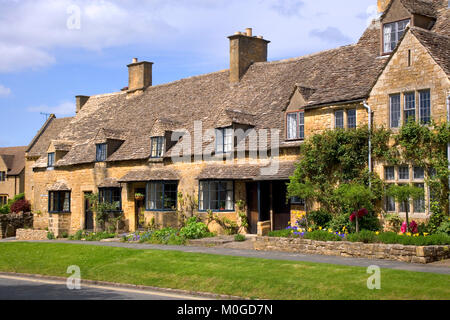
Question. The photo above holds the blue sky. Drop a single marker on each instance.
(53, 50)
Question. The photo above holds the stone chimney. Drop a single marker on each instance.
(139, 75)
(245, 49)
(81, 101)
(382, 5)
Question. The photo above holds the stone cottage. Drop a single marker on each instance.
(227, 142)
(12, 172)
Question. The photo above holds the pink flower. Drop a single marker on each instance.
(353, 217)
(363, 212)
(413, 227)
(404, 228)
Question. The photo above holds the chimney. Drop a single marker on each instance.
(81, 101)
(245, 49)
(139, 75)
(382, 5)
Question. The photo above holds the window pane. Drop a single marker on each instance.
(216, 195)
(425, 106)
(51, 159)
(419, 204)
(410, 106)
(301, 117)
(66, 201)
(395, 110)
(292, 126)
(351, 118)
(389, 203)
(339, 119)
(387, 37)
(389, 173)
(219, 140)
(419, 173)
(228, 140)
(170, 196)
(101, 152)
(403, 173)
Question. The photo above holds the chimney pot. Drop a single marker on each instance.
(249, 32)
(135, 60)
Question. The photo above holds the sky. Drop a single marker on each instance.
(54, 50)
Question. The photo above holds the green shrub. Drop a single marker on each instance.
(444, 228)
(394, 238)
(51, 236)
(99, 236)
(77, 236)
(319, 218)
(320, 235)
(239, 238)
(169, 236)
(195, 229)
(365, 236)
(286, 233)
(64, 235)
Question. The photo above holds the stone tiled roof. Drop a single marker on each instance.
(49, 131)
(283, 171)
(14, 158)
(155, 174)
(438, 46)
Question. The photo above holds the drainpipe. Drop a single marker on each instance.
(369, 111)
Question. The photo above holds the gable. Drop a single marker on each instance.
(3, 166)
(297, 102)
(396, 12)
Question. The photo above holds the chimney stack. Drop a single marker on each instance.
(382, 5)
(245, 49)
(139, 75)
(81, 101)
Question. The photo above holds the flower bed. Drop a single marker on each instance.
(399, 252)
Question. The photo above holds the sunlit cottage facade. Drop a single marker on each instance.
(172, 143)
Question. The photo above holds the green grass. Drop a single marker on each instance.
(246, 277)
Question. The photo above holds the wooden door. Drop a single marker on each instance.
(88, 214)
(252, 204)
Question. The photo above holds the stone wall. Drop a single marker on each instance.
(31, 235)
(413, 254)
(9, 223)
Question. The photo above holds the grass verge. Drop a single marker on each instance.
(246, 277)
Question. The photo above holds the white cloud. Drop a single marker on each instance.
(330, 34)
(32, 31)
(4, 91)
(64, 108)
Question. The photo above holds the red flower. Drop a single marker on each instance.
(413, 227)
(353, 217)
(362, 212)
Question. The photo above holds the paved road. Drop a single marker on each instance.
(22, 288)
(273, 255)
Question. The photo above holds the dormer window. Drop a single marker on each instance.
(224, 140)
(101, 154)
(51, 160)
(392, 33)
(157, 147)
(295, 126)
(2, 176)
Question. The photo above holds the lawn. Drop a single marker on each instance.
(246, 277)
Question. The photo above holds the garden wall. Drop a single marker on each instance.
(413, 254)
(9, 223)
(31, 235)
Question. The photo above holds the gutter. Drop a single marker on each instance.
(369, 111)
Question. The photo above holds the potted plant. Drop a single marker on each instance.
(139, 196)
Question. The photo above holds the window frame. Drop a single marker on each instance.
(51, 159)
(355, 117)
(400, 174)
(3, 196)
(336, 118)
(396, 34)
(299, 123)
(159, 147)
(206, 209)
(409, 110)
(2, 176)
(60, 206)
(421, 109)
(163, 183)
(397, 112)
(221, 135)
(101, 155)
(110, 200)
(385, 173)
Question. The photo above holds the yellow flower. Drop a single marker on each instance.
(377, 233)
(408, 234)
(320, 228)
(309, 230)
(330, 231)
(425, 234)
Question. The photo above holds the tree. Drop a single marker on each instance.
(403, 194)
(102, 210)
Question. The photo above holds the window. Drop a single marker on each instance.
(389, 204)
(392, 34)
(2, 176)
(297, 201)
(419, 204)
(111, 196)
(157, 147)
(403, 173)
(224, 140)
(51, 160)
(395, 110)
(3, 200)
(162, 196)
(216, 195)
(339, 119)
(101, 152)
(351, 118)
(404, 204)
(419, 173)
(59, 202)
(295, 125)
(389, 173)
(425, 106)
(410, 106)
